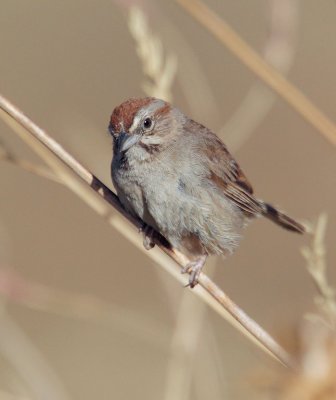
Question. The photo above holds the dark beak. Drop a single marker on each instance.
(126, 141)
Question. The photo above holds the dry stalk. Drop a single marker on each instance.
(250, 58)
(87, 186)
(279, 52)
(184, 347)
(317, 268)
(211, 358)
(17, 289)
(26, 165)
(160, 71)
(40, 380)
(314, 379)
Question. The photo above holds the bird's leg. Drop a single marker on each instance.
(194, 268)
(148, 236)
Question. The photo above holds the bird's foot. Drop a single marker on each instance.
(194, 269)
(148, 236)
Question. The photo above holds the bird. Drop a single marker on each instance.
(180, 179)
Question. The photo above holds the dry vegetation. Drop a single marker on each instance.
(310, 374)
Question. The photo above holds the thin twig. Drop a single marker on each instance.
(62, 162)
(225, 34)
(18, 289)
(279, 52)
(28, 166)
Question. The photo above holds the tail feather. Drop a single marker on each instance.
(282, 219)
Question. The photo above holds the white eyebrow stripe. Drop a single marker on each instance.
(135, 122)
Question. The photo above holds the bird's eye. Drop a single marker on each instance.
(147, 123)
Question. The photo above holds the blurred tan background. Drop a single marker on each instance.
(84, 313)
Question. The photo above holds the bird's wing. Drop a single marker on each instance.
(224, 172)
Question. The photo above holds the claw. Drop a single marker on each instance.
(194, 269)
(142, 227)
(148, 236)
(148, 242)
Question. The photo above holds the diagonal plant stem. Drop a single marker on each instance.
(250, 58)
(87, 186)
(26, 165)
(278, 51)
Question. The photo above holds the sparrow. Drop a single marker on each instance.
(179, 178)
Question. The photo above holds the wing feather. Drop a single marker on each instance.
(224, 172)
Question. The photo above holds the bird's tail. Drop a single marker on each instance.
(282, 219)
